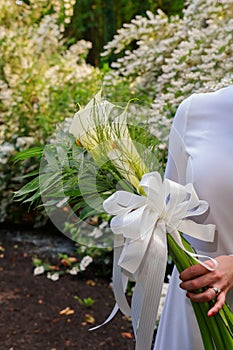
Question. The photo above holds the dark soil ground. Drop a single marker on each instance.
(30, 307)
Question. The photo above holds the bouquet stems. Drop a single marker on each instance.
(216, 331)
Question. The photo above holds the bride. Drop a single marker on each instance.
(201, 152)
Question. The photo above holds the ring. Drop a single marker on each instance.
(216, 290)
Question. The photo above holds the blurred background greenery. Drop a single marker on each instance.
(98, 21)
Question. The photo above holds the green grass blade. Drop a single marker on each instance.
(29, 153)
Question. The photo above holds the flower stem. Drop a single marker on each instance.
(226, 312)
(216, 331)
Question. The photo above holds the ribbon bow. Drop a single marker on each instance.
(140, 224)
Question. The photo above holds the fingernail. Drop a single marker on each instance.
(210, 313)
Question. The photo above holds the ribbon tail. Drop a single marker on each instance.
(148, 288)
(176, 235)
(199, 231)
(197, 257)
(120, 281)
(110, 317)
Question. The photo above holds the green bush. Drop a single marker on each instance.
(42, 82)
(173, 57)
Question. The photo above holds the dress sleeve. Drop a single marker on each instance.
(177, 155)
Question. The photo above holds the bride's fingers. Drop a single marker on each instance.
(207, 295)
(218, 305)
(192, 272)
(203, 281)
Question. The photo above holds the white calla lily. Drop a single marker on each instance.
(107, 138)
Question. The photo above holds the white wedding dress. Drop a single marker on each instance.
(201, 152)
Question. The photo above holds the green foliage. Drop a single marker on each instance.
(171, 7)
(98, 20)
(60, 179)
(41, 83)
(41, 80)
(88, 302)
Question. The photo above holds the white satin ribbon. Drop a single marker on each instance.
(140, 224)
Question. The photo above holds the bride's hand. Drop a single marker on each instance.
(197, 276)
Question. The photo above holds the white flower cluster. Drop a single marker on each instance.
(47, 37)
(53, 276)
(98, 232)
(87, 260)
(68, 10)
(176, 57)
(74, 270)
(38, 270)
(63, 9)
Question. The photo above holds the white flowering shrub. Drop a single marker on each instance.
(41, 81)
(175, 57)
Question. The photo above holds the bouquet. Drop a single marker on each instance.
(103, 167)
